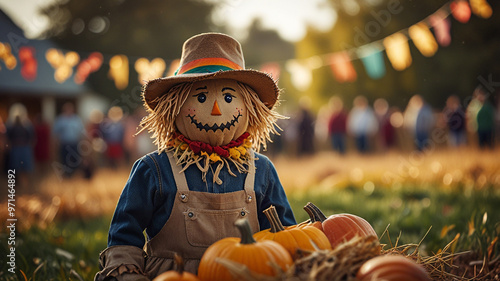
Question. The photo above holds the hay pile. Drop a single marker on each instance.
(343, 262)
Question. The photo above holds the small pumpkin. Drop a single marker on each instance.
(392, 268)
(339, 227)
(177, 275)
(292, 238)
(259, 256)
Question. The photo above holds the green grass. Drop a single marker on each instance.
(68, 250)
(410, 212)
(63, 251)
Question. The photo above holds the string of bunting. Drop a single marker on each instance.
(395, 45)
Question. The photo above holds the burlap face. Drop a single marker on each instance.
(213, 113)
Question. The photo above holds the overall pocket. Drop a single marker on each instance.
(204, 227)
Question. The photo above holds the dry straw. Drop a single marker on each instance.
(343, 262)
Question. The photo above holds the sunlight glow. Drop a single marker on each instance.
(290, 18)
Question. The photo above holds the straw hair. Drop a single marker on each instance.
(161, 120)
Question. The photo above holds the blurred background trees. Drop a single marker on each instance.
(158, 28)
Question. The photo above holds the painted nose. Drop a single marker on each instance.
(215, 109)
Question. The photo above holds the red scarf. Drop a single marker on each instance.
(197, 146)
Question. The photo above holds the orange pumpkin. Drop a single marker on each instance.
(177, 275)
(392, 268)
(292, 238)
(340, 227)
(258, 256)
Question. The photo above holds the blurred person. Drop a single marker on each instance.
(362, 123)
(471, 118)
(305, 125)
(130, 141)
(68, 130)
(485, 119)
(93, 130)
(455, 121)
(20, 142)
(144, 139)
(3, 145)
(113, 132)
(42, 143)
(387, 134)
(337, 125)
(419, 120)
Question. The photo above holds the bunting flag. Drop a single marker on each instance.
(373, 61)
(62, 63)
(271, 68)
(398, 51)
(148, 70)
(118, 71)
(174, 65)
(87, 66)
(28, 62)
(342, 67)
(481, 8)
(423, 39)
(441, 25)
(301, 75)
(7, 57)
(460, 10)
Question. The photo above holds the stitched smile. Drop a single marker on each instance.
(215, 127)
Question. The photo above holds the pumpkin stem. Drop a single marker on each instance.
(274, 220)
(179, 262)
(245, 230)
(314, 212)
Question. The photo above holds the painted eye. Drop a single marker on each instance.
(202, 98)
(228, 98)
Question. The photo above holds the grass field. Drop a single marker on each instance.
(447, 194)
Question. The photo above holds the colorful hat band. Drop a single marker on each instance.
(208, 65)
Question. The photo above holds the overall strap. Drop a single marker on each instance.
(180, 178)
(250, 179)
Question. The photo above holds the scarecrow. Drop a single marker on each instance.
(209, 121)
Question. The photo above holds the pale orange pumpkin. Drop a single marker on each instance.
(392, 268)
(292, 238)
(258, 256)
(177, 275)
(340, 227)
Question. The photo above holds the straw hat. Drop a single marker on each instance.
(213, 56)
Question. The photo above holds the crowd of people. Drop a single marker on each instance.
(365, 128)
(70, 144)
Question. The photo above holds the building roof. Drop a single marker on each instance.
(12, 82)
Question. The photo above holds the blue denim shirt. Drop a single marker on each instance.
(147, 199)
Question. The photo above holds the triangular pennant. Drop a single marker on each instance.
(398, 51)
(423, 39)
(342, 67)
(29, 65)
(148, 70)
(62, 63)
(373, 61)
(441, 25)
(118, 71)
(460, 10)
(87, 66)
(271, 68)
(481, 8)
(301, 75)
(6, 56)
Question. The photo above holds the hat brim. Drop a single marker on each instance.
(262, 83)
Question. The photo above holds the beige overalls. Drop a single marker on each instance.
(198, 219)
